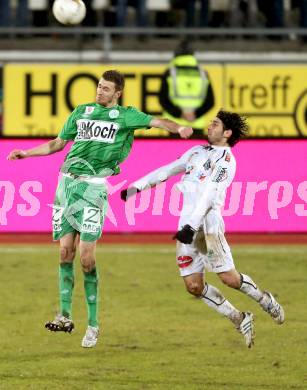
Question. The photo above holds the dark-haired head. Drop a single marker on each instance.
(184, 48)
(234, 122)
(115, 77)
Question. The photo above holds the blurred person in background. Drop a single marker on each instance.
(186, 93)
(122, 10)
(90, 19)
(220, 13)
(244, 13)
(195, 17)
(303, 13)
(302, 6)
(273, 11)
(208, 170)
(98, 13)
(40, 12)
(14, 13)
(196, 11)
(5, 13)
(102, 135)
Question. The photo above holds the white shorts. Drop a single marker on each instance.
(209, 249)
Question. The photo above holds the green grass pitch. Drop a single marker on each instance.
(155, 336)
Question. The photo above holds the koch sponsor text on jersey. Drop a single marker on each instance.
(93, 130)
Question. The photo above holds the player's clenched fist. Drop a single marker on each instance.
(127, 193)
(185, 132)
(16, 154)
(185, 235)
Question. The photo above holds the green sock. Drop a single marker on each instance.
(66, 276)
(91, 289)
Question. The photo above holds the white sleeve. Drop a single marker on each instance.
(213, 189)
(163, 173)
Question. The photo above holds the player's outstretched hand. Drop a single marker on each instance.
(128, 192)
(185, 235)
(185, 132)
(16, 154)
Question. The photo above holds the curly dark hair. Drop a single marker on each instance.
(236, 123)
(116, 77)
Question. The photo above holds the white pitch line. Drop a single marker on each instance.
(241, 249)
(42, 249)
(273, 249)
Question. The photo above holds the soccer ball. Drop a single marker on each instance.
(69, 11)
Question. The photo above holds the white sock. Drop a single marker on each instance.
(265, 302)
(249, 287)
(214, 298)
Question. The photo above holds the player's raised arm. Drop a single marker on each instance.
(45, 149)
(172, 127)
(158, 175)
(153, 178)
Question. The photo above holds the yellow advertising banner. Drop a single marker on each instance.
(38, 98)
(274, 97)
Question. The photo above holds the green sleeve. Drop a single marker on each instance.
(136, 119)
(69, 130)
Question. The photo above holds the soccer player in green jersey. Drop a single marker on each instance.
(103, 134)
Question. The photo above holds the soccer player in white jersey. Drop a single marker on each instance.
(208, 171)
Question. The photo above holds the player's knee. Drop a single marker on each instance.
(67, 254)
(194, 288)
(87, 267)
(230, 280)
(87, 263)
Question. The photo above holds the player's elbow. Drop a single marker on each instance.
(61, 145)
(156, 122)
(57, 145)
